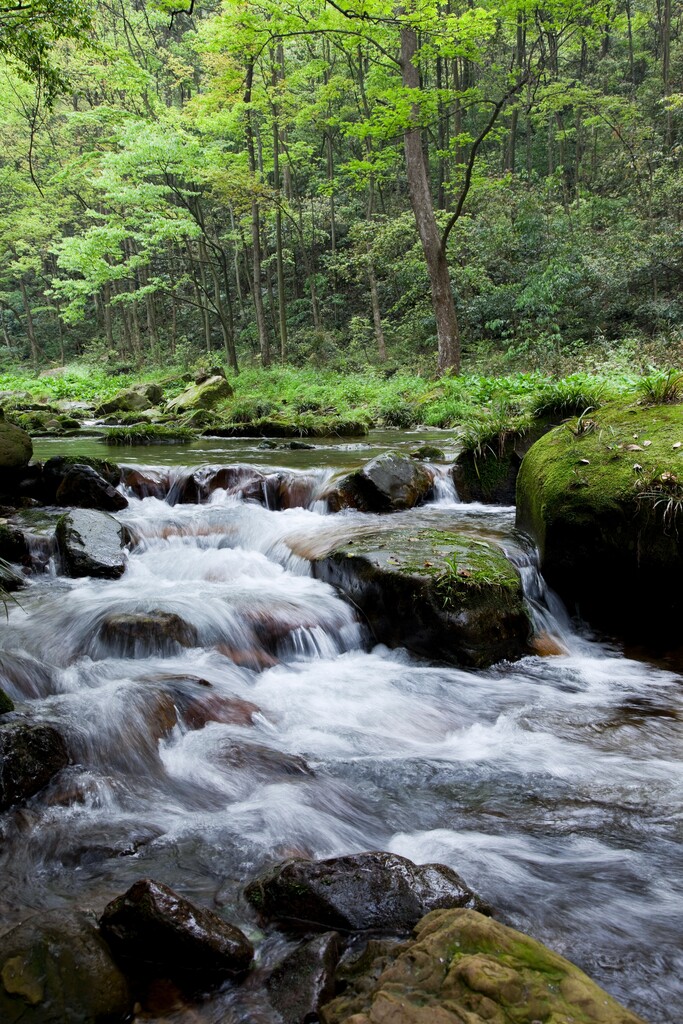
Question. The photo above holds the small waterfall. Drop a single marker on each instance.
(444, 486)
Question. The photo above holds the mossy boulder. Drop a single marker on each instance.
(440, 594)
(602, 496)
(141, 396)
(16, 447)
(463, 966)
(6, 704)
(55, 968)
(206, 395)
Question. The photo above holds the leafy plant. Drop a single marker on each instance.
(664, 387)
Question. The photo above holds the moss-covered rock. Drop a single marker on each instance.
(602, 496)
(206, 395)
(463, 966)
(6, 704)
(488, 471)
(141, 396)
(440, 594)
(16, 447)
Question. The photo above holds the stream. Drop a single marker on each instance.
(552, 785)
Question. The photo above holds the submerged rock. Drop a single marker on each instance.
(441, 595)
(139, 633)
(463, 966)
(153, 930)
(89, 543)
(602, 498)
(30, 755)
(389, 483)
(206, 395)
(304, 980)
(367, 891)
(56, 969)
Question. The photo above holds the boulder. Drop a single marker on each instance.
(389, 483)
(141, 396)
(428, 453)
(153, 930)
(56, 468)
(488, 473)
(13, 545)
(206, 395)
(602, 496)
(366, 891)
(444, 596)
(139, 634)
(304, 980)
(16, 447)
(56, 969)
(82, 487)
(89, 543)
(29, 757)
(463, 966)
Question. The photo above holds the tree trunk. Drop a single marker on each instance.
(29, 322)
(256, 231)
(447, 331)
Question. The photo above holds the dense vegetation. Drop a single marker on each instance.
(277, 181)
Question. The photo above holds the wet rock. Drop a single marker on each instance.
(196, 712)
(441, 595)
(304, 980)
(389, 483)
(153, 930)
(29, 757)
(24, 677)
(56, 468)
(13, 546)
(463, 966)
(89, 543)
(428, 453)
(82, 487)
(137, 634)
(261, 760)
(206, 395)
(5, 703)
(196, 487)
(143, 485)
(297, 446)
(368, 891)
(607, 519)
(489, 472)
(141, 396)
(56, 969)
(16, 447)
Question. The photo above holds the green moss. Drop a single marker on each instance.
(148, 433)
(607, 465)
(5, 703)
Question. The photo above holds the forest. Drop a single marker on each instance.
(427, 185)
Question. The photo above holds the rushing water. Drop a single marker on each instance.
(553, 785)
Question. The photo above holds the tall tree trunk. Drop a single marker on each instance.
(257, 295)
(376, 313)
(281, 297)
(30, 330)
(447, 331)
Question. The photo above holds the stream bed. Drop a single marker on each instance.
(552, 785)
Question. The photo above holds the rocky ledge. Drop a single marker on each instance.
(442, 595)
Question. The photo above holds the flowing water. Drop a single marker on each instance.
(553, 785)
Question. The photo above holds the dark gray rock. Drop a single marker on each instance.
(6, 703)
(389, 483)
(155, 931)
(56, 969)
(304, 980)
(83, 487)
(89, 543)
(56, 468)
(368, 891)
(30, 755)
